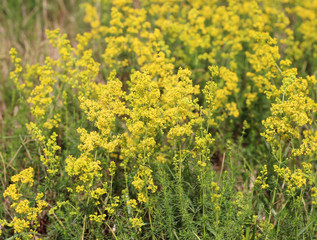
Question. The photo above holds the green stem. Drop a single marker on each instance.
(114, 235)
(127, 191)
(276, 183)
(84, 225)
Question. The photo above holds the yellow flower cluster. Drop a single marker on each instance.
(293, 109)
(136, 223)
(215, 197)
(85, 167)
(49, 145)
(133, 203)
(143, 182)
(15, 75)
(314, 195)
(308, 145)
(294, 180)
(97, 218)
(262, 179)
(26, 219)
(41, 96)
(218, 92)
(151, 101)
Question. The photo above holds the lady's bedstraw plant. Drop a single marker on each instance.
(27, 206)
(293, 115)
(287, 131)
(141, 125)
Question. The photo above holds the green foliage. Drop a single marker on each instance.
(163, 120)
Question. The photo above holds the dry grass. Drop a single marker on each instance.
(23, 24)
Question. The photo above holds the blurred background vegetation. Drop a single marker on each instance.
(22, 25)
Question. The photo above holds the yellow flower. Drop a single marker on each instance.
(25, 176)
(19, 225)
(133, 203)
(12, 192)
(97, 218)
(137, 223)
(262, 179)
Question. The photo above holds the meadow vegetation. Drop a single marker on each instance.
(161, 120)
